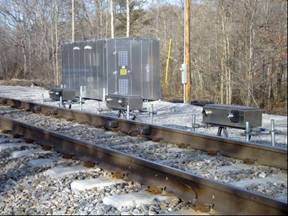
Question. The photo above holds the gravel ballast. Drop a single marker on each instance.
(187, 159)
(26, 189)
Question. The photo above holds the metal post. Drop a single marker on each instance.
(225, 132)
(184, 79)
(247, 131)
(273, 132)
(193, 122)
(98, 106)
(104, 94)
(151, 113)
(128, 112)
(61, 101)
(42, 98)
(184, 92)
(81, 89)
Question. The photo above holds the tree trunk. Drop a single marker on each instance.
(112, 18)
(24, 58)
(56, 45)
(228, 69)
(99, 18)
(29, 74)
(268, 88)
(222, 82)
(280, 72)
(224, 75)
(73, 20)
(250, 87)
(106, 24)
(53, 49)
(128, 17)
(250, 67)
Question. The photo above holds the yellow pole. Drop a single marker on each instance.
(167, 63)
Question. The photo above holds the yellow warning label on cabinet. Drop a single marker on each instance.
(123, 72)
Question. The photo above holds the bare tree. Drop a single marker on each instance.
(238, 48)
(112, 18)
(73, 20)
(128, 17)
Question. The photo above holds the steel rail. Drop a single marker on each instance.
(223, 198)
(264, 155)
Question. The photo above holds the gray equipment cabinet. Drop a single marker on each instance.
(124, 66)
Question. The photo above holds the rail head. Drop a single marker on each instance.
(264, 155)
(186, 185)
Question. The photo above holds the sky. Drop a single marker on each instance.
(174, 1)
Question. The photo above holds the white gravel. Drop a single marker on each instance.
(25, 189)
(174, 115)
(187, 159)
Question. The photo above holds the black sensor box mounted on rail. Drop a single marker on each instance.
(66, 94)
(120, 102)
(232, 115)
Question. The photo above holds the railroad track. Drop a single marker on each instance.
(270, 156)
(155, 167)
(58, 185)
